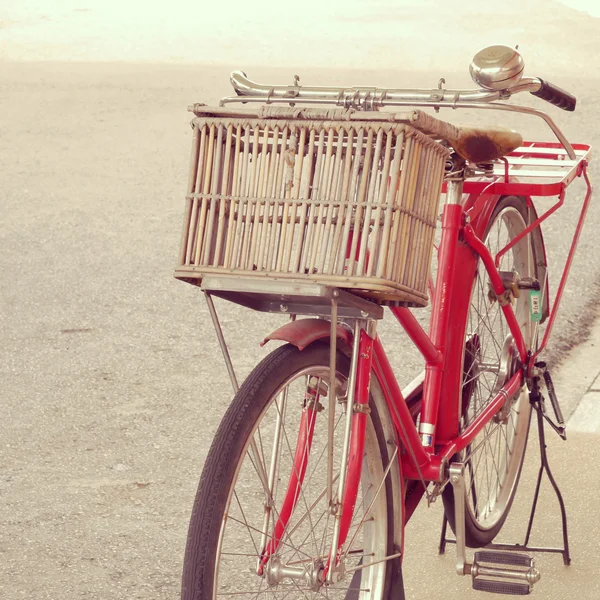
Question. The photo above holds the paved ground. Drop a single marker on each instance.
(112, 385)
(587, 415)
(579, 379)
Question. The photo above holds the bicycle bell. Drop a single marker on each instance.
(497, 67)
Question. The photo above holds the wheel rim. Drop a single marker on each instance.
(493, 460)
(307, 538)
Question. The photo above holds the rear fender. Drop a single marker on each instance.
(304, 332)
(480, 210)
(539, 255)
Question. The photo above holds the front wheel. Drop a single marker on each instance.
(494, 458)
(261, 524)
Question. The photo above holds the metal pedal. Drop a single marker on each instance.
(508, 573)
(490, 573)
(501, 587)
(514, 559)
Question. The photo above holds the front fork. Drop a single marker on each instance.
(357, 410)
(343, 497)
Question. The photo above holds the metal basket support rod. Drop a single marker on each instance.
(253, 450)
(222, 343)
(332, 398)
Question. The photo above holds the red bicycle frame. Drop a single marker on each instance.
(438, 439)
(443, 351)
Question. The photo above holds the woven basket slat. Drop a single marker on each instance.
(383, 192)
(187, 215)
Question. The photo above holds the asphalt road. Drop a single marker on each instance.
(112, 382)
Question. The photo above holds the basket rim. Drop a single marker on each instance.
(338, 125)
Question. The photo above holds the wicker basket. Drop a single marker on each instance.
(347, 203)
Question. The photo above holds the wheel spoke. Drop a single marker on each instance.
(387, 558)
(251, 528)
(245, 521)
(325, 448)
(497, 346)
(372, 503)
(300, 488)
(254, 456)
(306, 540)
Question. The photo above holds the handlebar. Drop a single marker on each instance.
(355, 96)
(556, 95)
(372, 97)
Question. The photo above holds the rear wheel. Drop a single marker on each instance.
(279, 414)
(494, 458)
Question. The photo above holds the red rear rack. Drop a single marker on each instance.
(534, 169)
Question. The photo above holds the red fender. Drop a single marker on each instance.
(304, 332)
(480, 210)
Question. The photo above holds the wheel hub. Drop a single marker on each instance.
(276, 571)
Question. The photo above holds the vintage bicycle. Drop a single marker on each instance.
(315, 203)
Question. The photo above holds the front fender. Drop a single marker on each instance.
(303, 332)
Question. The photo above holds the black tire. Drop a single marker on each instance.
(229, 450)
(479, 530)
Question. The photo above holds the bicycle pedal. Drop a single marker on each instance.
(514, 559)
(509, 588)
(509, 573)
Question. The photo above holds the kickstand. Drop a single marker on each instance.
(536, 399)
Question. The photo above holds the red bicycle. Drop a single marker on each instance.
(329, 212)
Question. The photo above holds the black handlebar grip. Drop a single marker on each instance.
(555, 95)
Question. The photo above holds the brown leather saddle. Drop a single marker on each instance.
(475, 144)
(483, 144)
